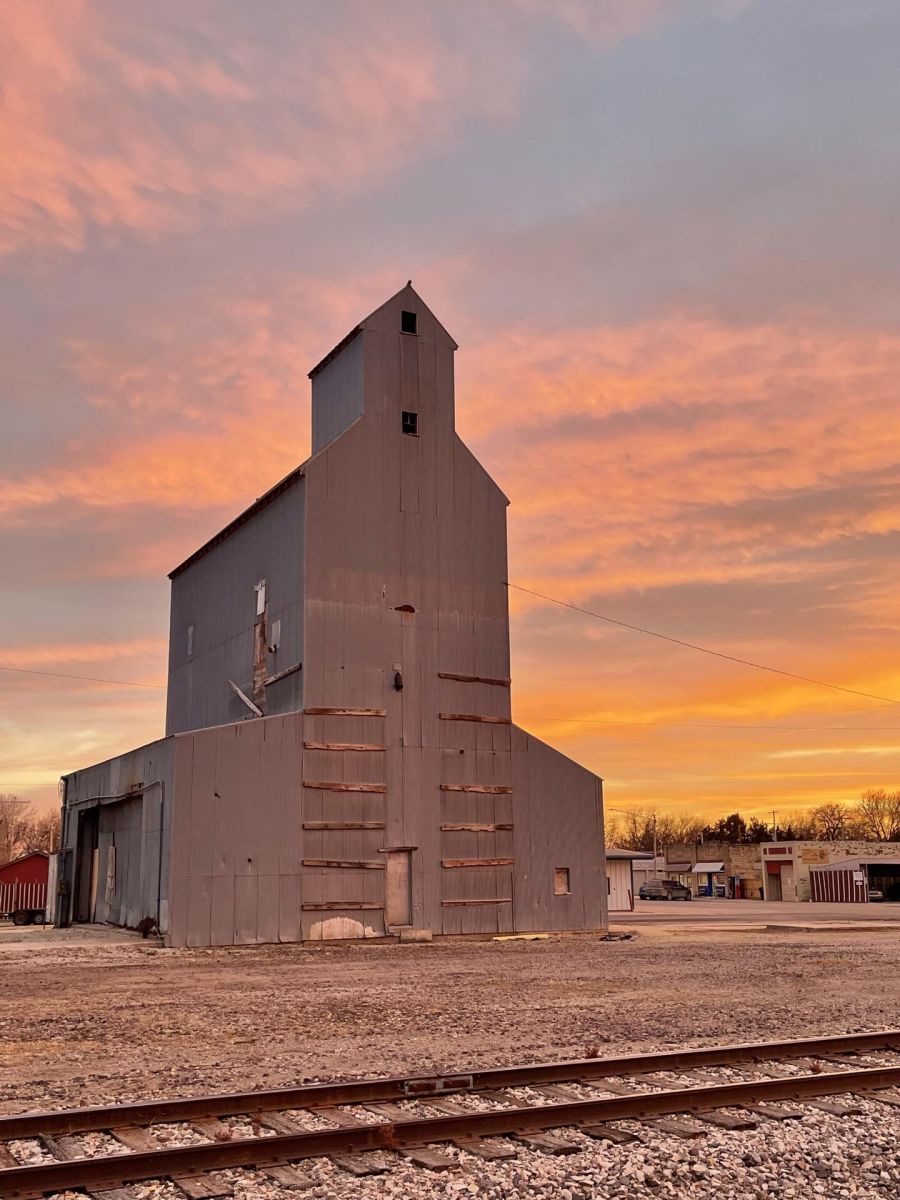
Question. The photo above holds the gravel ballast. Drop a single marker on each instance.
(92, 1025)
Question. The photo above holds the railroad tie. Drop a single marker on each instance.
(63, 1148)
(388, 1109)
(337, 1116)
(489, 1150)
(277, 1122)
(617, 1089)
(609, 1133)
(835, 1108)
(196, 1187)
(559, 1092)
(433, 1160)
(212, 1128)
(725, 1120)
(358, 1164)
(289, 1177)
(681, 1127)
(202, 1187)
(891, 1098)
(139, 1140)
(7, 1159)
(549, 1143)
(774, 1112)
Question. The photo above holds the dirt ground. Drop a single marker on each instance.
(83, 1024)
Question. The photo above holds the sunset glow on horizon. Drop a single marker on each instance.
(664, 237)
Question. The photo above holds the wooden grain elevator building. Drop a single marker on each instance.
(339, 758)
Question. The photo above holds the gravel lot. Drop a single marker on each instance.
(84, 1024)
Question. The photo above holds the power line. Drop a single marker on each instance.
(86, 678)
(681, 725)
(744, 662)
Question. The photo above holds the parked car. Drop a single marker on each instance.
(876, 894)
(664, 889)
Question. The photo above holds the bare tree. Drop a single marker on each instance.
(877, 815)
(831, 821)
(15, 818)
(639, 828)
(41, 833)
(799, 826)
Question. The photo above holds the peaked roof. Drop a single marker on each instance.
(406, 293)
(21, 858)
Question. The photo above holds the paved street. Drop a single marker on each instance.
(753, 912)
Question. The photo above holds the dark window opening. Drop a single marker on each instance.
(408, 322)
(410, 423)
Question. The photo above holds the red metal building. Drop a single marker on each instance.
(23, 882)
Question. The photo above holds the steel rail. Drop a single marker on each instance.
(33, 1182)
(360, 1091)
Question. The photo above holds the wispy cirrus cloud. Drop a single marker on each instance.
(217, 117)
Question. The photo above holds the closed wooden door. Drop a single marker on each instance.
(398, 888)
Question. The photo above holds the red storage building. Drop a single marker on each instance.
(23, 882)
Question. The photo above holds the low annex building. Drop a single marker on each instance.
(340, 759)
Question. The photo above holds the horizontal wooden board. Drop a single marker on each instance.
(359, 865)
(344, 825)
(481, 789)
(344, 712)
(474, 679)
(341, 906)
(462, 903)
(477, 862)
(341, 746)
(475, 717)
(283, 674)
(473, 828)
(343, 787)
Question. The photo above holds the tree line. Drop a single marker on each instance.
(22, 829)
(874, 817)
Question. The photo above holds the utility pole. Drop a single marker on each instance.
(774, 827)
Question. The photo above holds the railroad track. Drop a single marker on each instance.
(361, 1125)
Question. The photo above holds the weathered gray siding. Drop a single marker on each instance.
(337, 395)
(405, 571)
(559, 823)
(215, 594)
(125, 805)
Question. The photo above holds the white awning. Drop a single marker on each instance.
(710, 868)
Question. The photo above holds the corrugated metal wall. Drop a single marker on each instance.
(215, 598)
(130, 799)
(837, 887)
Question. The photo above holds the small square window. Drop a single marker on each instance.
(561, 884)
(410, 423)
(408, 322)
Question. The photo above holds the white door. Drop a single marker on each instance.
(618, 886)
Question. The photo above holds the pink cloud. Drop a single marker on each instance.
(256, 120)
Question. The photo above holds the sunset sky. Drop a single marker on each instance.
(665, 236)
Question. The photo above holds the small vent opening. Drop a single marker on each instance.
(408, 322)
